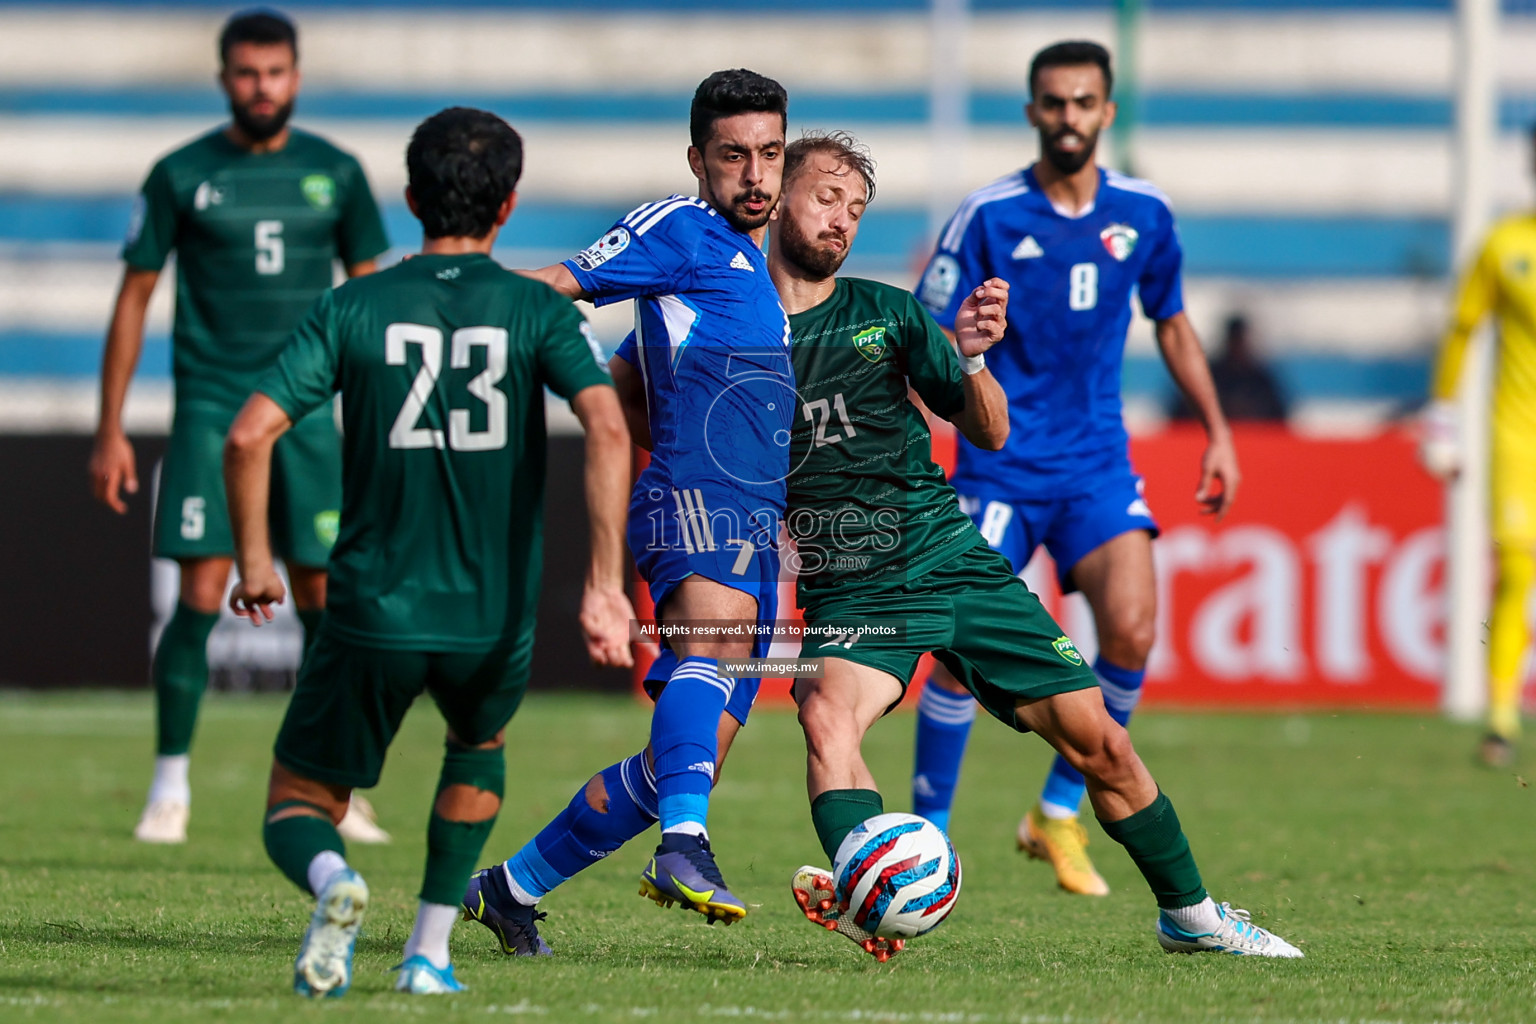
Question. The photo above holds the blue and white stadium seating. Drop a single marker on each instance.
(1305, 145)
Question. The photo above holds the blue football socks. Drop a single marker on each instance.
(684, 732)
(1064, 786)
(943, 725)
(581, 835)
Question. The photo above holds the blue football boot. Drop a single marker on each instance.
(418, 977)
(516, 926)
(682, 870)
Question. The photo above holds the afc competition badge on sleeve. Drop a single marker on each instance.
(603, 250)
(590, 336)
(940, 282)
(136, 219)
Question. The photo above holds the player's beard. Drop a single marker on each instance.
(738, 217)
(796, 247)
(260, 128)
(1066, 161)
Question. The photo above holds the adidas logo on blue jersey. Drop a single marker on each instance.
(1028, 249)
(740, 262)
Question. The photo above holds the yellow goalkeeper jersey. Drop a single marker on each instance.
(1502, 281)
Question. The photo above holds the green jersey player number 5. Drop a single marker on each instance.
(269, 247)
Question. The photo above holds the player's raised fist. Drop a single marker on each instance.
(982, 317)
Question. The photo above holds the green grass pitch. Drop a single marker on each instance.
(1406, 873)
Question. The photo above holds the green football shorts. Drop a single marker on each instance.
(980, 621)
(350, 700)
(192, 515)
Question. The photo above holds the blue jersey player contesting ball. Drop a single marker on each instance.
(708, 389)
(1074, 242)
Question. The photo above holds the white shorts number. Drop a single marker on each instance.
(193, 518)
(994, 522)
(1083, 287)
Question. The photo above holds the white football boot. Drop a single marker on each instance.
(1235, 934)
(360, 824)
(323, 967)
(163, 821)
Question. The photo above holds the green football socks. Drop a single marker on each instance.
(294, 842)
(1155, 840)
(837, 812)
(180, 676)
(454, 847)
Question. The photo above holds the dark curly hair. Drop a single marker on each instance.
(461, 164)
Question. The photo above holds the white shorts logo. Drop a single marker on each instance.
(603, 250)
(1139, 507)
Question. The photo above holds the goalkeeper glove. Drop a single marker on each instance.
(1438, 450)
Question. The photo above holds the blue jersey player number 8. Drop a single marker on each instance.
(1072, 282)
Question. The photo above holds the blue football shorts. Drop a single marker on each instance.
(678, 532)
(1069, 527)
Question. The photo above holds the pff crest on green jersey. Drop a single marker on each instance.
(328, 526)
(870, 343)
(319, 190)
(1067, 649)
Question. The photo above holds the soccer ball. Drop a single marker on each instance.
(896, 875)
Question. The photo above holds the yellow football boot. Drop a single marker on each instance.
(1064, 843)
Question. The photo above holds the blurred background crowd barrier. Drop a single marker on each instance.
(1308, 147)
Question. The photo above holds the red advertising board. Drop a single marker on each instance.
(1323, 587)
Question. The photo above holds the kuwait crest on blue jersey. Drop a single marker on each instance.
(1119, 240)
(870, 343)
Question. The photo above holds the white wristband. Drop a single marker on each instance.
(972, 365)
